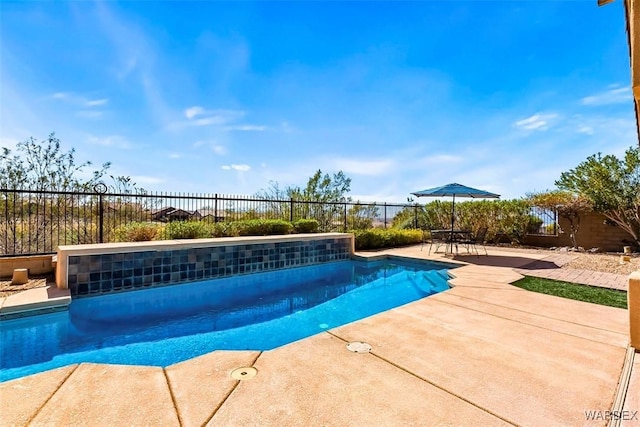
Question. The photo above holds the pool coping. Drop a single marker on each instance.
(530, 359)
(33, 302)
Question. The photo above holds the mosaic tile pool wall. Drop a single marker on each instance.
(113, 272)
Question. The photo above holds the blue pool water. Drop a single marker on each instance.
(163, 326)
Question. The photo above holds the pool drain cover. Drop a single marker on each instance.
(359, 347)
(244, 374)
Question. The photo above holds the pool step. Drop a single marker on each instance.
(34, 301)
(429, 282)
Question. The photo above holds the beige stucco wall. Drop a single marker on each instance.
(36, 265)
(594, 232)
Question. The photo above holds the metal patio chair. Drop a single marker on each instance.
(435, 237)
(476, 240)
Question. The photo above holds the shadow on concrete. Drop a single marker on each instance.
(507, 261)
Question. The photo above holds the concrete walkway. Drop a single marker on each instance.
(482, 353)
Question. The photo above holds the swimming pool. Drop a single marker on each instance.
(163, 326)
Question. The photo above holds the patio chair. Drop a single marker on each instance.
(476, 240)
(434, 237)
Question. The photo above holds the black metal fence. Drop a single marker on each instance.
(547, 223)
(36, 222)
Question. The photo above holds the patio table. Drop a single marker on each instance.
(451, 238)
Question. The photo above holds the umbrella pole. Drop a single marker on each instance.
(453, 217)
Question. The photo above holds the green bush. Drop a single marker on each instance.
(378, 238)
(551, 229)
(226, 229)
(251, 227)
(263, 227)
(504, 219)
(187, 230)
(306, 225)
(534, 225)
(137, 232)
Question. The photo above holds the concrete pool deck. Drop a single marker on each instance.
(481, 353)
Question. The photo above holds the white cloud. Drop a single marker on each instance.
(60, 95)
(110, 141)
(247, 128)
(538, 122)
(219, 150)
(191, 112)
(208, 121)
(587, 130)
(216, 148)
(175, 155)
(198, 116)
(239, 168)
(79, 99)
(612, 96)
(96, 102)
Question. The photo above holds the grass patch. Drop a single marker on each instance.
(602, 296)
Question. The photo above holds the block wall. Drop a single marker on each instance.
(95, 274)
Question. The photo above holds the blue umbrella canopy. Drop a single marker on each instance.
(453, 190)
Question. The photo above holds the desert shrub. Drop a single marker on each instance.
(534, 225)
(306, 225)
(226, 229)
(377, 238)
(514, 218)
(551, 229)
(263, 227)
(187, 230)
(504, 219)
(137, 232)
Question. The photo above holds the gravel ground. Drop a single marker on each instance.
(608, 263)
(6, 288)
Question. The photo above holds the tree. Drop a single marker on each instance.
(44, 166)
(612, 185)
(44, 213)
(324, 188)
(278, 205)
(361, 216)
(323, 198)
(569, 206)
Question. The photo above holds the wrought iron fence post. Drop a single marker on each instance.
(345, 217)
(215, 208)
(291, 210)
(385, 214)
(101, 189)
(415, 216)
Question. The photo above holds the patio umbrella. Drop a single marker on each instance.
(454, 190)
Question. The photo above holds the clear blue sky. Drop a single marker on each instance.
(224, 97)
